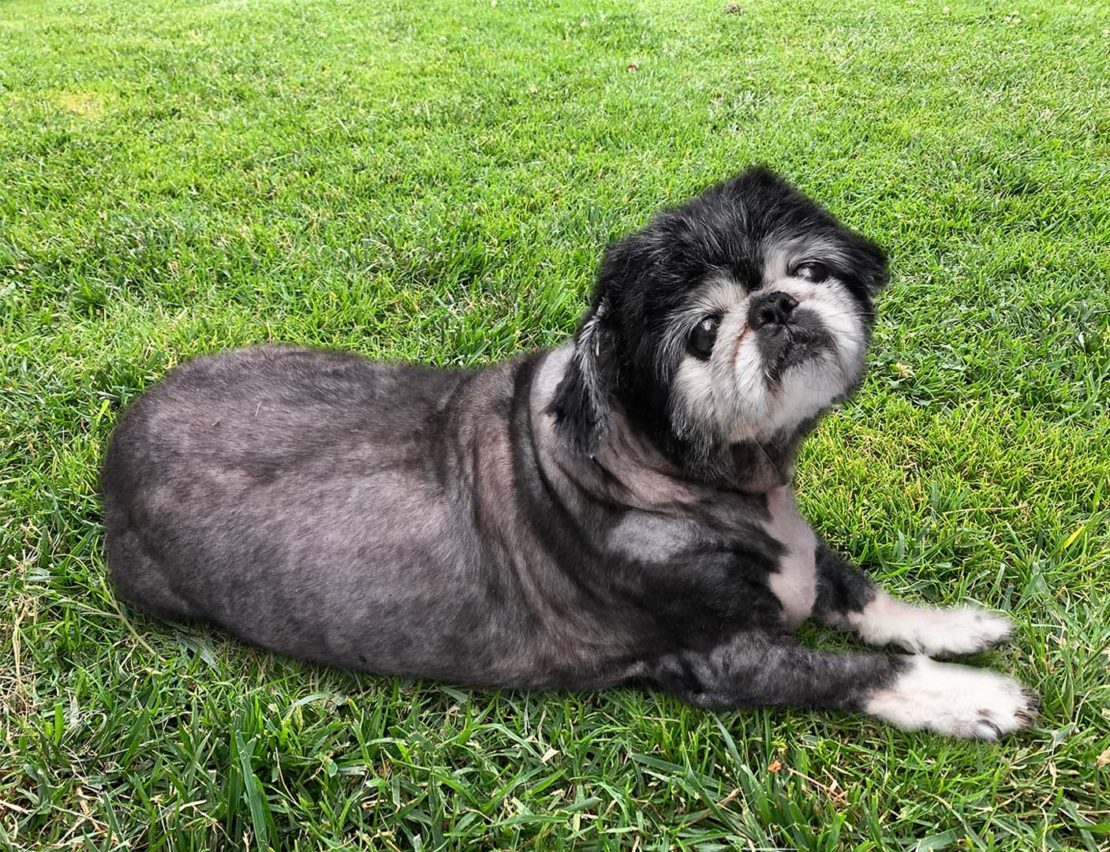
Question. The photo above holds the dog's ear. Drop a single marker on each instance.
(581, 401)
(869, 263)
(879, 267)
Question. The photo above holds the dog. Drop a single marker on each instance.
(617, 510)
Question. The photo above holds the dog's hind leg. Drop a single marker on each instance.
(848, 600)
(914, 693)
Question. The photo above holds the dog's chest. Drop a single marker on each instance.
(795, 581)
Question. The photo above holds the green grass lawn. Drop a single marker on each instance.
(435, 181)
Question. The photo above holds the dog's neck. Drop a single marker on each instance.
(750, 468)
(756, 467)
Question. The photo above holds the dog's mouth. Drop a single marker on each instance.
(791, 345)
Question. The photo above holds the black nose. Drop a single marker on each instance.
(772, 309)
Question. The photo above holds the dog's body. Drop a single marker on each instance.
(615, 510)
(452, 537)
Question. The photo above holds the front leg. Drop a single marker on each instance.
(913, 693)
(848, 600)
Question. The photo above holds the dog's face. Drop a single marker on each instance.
(739, 316)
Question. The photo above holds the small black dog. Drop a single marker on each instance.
(615, 510)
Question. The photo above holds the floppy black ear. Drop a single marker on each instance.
(581, 401)
(880, 267)
(877, 269)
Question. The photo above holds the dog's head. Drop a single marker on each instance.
(737, 317)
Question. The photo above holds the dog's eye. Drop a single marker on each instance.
(703, 337)
(811, 271)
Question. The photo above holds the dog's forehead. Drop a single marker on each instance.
(717, 294)
(747, 232)
(758, 263)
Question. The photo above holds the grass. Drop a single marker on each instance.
(435, 181)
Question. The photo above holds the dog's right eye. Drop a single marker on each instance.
(703, 337)
(812, 271)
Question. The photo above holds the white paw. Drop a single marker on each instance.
(958, 701)
(935, 631)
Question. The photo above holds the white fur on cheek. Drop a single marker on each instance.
(833, 305)
(693, 385)
(729, 398)
(934, 631)
(702, 400)
(748, 383)
(958, 701)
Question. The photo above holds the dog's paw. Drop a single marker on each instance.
(954, 700)
(934, 631)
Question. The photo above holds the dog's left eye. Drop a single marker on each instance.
(811, 271)
(703, 337)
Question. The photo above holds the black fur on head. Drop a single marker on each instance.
(719, 260)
